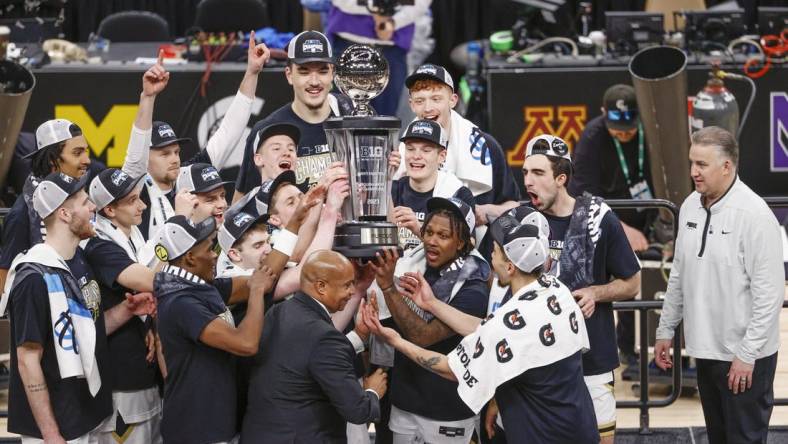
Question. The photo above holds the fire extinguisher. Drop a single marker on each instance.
(715, 105)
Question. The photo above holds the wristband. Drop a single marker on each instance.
(285, 242)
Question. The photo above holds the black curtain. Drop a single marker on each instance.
(81, 17)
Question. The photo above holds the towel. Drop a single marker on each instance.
(73, 326)
(540, 325)
(585, 229)
(134, 245)
(161, 208)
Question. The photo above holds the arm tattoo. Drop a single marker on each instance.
(429, 363)
(33, 388)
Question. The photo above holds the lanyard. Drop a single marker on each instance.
(641, 156)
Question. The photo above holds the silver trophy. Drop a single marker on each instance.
(363, 143)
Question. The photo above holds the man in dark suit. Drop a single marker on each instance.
(303, 387)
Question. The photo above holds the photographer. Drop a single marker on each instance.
(349, 23)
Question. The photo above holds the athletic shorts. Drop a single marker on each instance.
(600, 387)
(409, 428)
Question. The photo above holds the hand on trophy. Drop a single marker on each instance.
(395, 158)
(338, 191)
(334, 172)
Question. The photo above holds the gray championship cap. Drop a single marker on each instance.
(54, 190)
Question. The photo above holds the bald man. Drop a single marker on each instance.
(304, 387)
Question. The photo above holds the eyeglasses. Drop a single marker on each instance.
(618, 116)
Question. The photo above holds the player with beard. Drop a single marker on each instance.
(591, 255)
(158, 151)
(60, 387)
(310, 71)
(61, 148)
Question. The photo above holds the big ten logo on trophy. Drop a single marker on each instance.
(564, 121)
(109, 138)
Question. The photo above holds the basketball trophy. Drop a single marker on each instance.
(363, 142)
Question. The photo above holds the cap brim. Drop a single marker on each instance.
(125, 192)
(439, 203)
(211, 187)
(621, 126)
(204, 230)
(279, 129)
(413, 78)
(172, 142)
(29, 155)
(304, 60)
(417, 137)
(82, 182)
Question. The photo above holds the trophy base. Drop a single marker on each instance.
(363, 240)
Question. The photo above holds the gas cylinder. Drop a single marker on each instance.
(714, 105)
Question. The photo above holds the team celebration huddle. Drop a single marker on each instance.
(415, 288)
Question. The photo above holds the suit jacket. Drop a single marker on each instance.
(303, 387)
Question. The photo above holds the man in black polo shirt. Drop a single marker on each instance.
(591, 255)
(610, 161)
(60, 386)
(310, 71)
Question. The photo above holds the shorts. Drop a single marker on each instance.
(409, 428)
(600, 387)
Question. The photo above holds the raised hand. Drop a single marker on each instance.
(338, 191)
(155, 79)
(394, 160)
(335, 171)
(405, 217)
(257, 55)
(415, 287)
(365, 275)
